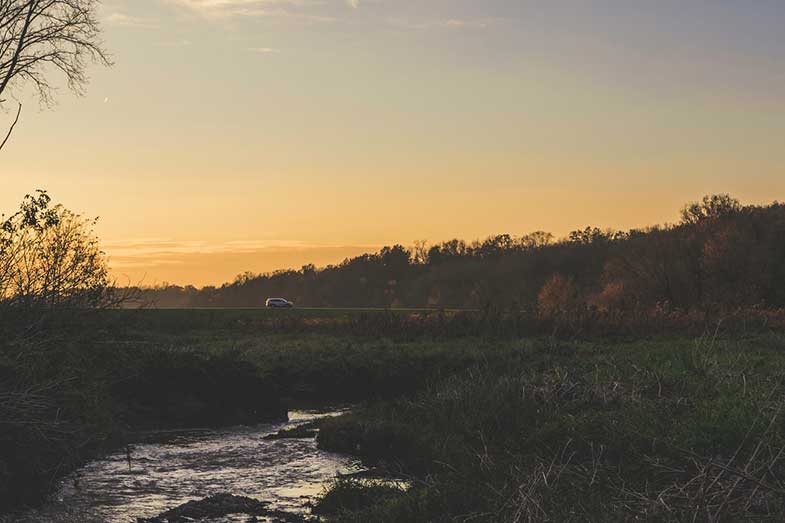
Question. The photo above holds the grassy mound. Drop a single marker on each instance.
(347, 497)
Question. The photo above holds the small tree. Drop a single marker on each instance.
(420, 252)
(558, 297)
(612, 297)
(536, 240)
(49, 258)
(40, 37)
(710, 208)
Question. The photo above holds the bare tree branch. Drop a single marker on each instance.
(42, 39)
(11, 129)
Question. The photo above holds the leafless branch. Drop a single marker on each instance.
(43, 39)
(11, 129)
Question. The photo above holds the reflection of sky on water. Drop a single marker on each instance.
(190, 465)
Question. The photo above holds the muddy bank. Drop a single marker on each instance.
(179, 390)
(223, 506)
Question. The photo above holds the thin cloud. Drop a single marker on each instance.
(449, 23)
(264, 50)
(454, 22)
(162, 247)
(154, 260)
(250, 8)
(125, 20)
(177, 43)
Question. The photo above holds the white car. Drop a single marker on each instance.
(278, 303)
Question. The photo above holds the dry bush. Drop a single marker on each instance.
(558, 296)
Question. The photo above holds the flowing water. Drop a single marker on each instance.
(176, 467)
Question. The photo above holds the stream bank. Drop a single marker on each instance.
(168, 469)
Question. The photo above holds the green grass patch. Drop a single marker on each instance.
(668, 430)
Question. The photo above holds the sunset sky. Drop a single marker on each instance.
(235, 135)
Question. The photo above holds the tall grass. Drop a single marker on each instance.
(669, 431)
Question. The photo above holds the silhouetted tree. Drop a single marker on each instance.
(536, 240)
(590, 235)
(39, 37)
(49, 257)
(420, 252)
(710, 208)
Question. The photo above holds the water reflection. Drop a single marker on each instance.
(173, 468)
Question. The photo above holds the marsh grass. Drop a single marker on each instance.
(664, 431)
(345, 496)
(486, 427)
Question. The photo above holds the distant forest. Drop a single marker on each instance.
(721, 255)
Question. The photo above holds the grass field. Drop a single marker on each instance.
(170, 321)
(487, 428)
(663, 430)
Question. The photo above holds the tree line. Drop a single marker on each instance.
(720, 255)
